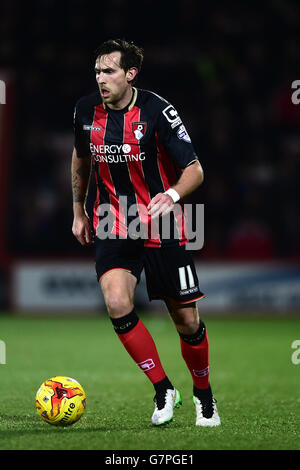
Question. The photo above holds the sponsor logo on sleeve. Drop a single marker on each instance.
(171, 115)
(183, 135)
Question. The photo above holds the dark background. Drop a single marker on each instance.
(227, 68)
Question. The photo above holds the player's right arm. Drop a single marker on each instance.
(81, 170)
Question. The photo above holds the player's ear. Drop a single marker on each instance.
(131, 74)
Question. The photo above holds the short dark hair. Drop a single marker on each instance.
(131, 55)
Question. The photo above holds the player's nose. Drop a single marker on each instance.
(100, 78)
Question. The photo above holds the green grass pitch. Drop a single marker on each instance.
(254, 380)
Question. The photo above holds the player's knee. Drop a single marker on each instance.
(187, 326)
(186, 320)
(197, 337)
(118, 297)
(118, 305)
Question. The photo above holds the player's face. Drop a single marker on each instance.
(113, 82)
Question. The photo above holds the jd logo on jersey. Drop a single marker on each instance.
(139, 129)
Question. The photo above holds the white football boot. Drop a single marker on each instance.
(164, 406)
(206, 412)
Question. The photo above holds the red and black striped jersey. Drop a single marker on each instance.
(137, 152)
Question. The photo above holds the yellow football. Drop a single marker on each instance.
(60, 401)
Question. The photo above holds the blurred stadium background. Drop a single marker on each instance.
(228, 68)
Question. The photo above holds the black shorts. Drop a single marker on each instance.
(170, 272)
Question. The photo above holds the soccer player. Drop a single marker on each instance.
(144, 164)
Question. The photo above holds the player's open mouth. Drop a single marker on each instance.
(104, 93)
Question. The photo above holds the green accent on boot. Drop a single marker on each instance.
(179, 400)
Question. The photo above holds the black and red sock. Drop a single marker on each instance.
(195, 352)
(139, 343)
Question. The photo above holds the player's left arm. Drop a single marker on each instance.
(191, 178)
(173, 136)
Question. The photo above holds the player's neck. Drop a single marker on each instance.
(124, 101)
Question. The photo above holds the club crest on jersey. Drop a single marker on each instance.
(139, 129)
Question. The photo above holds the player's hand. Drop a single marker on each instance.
(160, 205)
(82, 229)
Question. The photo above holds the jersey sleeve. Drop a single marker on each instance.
(80, 141)
(174, 137)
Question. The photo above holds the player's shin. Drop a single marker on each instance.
(140, 345)
(195, 352)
